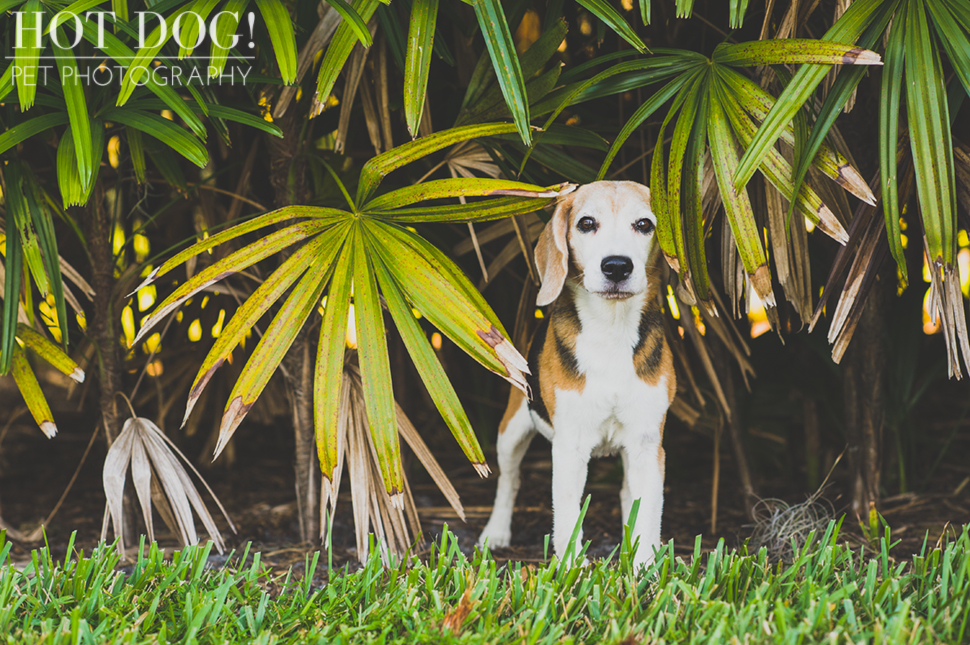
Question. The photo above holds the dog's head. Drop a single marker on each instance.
(603, 236)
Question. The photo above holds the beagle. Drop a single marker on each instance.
(605, 373)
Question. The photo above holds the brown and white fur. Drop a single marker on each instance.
(605, 373)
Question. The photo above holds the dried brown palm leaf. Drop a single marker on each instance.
(946, 302)
(395, 521)
(730, 337)
(863, 273)
(499, 229)
(682, 364)
(155, 468)
(698, 341)
(840, 8)
(684, 411)
(355, 70)
(321, 35)
(732, 270)
(857, 228)
(383, 94)
(509, 252)
(789, 247)
(961, 166)
(368, 102)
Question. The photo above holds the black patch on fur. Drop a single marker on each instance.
(650, 320)
(566, 356)
(653, 361)
(564, 309)
(651, 327)
(537, 405)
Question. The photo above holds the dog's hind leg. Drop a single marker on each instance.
(515, 435)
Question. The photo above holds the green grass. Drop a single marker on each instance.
(829, 593)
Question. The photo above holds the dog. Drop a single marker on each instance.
(605, 372)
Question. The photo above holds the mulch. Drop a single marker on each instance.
(258, 491)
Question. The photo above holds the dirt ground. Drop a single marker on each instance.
(258, 492)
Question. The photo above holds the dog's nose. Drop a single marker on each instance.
(617, 268)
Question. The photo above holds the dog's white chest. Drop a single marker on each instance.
(615, 406)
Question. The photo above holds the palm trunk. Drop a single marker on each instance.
(103, 328)
(288, 177)
(864, 394)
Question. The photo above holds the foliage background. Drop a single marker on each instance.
(114, 179)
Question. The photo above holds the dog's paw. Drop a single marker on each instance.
(495, 538)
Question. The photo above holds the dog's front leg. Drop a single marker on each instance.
(644, 474)
(569, 463)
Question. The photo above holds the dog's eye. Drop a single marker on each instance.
(643, 226)
(586, 224)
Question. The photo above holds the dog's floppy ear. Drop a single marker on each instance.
(552, 254)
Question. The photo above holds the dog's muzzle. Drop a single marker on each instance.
(616, 268)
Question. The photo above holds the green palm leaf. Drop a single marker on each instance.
(847, 30)
(424, 15)
(269, 352)
(329, 370)
(498, 40)
(889, 104)
(280, 28)
(929, 131)
(375, 367)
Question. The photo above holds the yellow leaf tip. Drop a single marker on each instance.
(236, 411)
(77, 375)
(49, 429)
